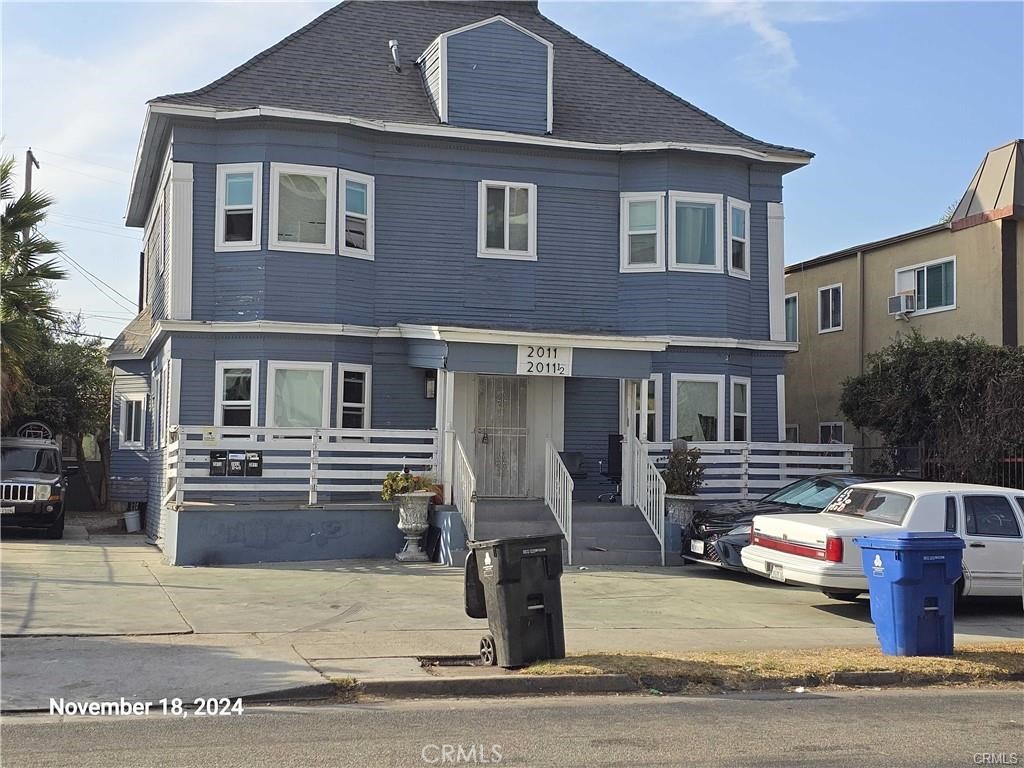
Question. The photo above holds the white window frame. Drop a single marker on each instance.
(744, 380)
(325, 409)
(718, 379)
(656, 380)
(924, 265)
(253, 244)
(331, 174)
(796, 430)
(694, 197)
(625, 198)
(842, 429)
(483, 252)
(796, 314)
(254, 392)
(745, 207)
(842, 308)
(123, 443)
(360, 178)
(367, 392)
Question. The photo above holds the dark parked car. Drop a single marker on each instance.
(33, 481)
(716, 535)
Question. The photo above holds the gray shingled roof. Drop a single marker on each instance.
(132, 341)
(338, 64)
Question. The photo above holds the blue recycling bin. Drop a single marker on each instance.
(911, 579)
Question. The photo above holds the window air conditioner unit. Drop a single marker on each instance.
(902, 304)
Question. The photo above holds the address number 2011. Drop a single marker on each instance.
(544, 360)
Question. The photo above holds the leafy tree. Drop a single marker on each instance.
(962, 398)
(67, 387)
(26, 296)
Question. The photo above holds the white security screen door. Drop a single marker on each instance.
(502, 468)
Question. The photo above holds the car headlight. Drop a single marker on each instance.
(741, 530)
(42, 492)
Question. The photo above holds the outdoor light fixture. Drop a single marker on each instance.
(430, 377)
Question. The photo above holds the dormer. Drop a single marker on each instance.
(493, 75)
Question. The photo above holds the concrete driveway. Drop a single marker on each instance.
(101, 618)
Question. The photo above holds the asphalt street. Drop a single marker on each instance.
(884, 728)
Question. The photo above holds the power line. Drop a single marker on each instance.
(86, 220)
(93, 280)
(85, 228)
(83, 173)
(83, 160)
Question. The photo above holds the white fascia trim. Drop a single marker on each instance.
(272, 326)
(721, 342)
(694, 197)
(493, 336)
(444, 131)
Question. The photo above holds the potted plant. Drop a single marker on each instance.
(683, 475)
(412, 495)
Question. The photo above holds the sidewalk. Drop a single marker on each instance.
(143, 630)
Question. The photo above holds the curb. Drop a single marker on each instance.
(497, 686)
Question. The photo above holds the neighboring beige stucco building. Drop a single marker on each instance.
(965, 276)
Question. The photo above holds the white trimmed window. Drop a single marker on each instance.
(238, 394)
(647, 422)
(830, 308)
(932, 283)
(354, 388)
(641, 232)
(739, 238)
(695, 232)
(302, 208)
(831, 432)
(793, 317)
(740, 402)
(792, 433)
(507, 215)
(298, 394)
(698, 407)
(239, 202)
(355, 193)
(132, 431)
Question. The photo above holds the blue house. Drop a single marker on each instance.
(447, 236)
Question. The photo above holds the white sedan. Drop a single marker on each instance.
(817, 549)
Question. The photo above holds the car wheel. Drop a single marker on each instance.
(848, 596)
(56, 531)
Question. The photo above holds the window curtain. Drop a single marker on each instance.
(695, 234)
(697, 410)
(298, 398)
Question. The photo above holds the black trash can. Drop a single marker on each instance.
(516, 585)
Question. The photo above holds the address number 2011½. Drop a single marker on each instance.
(543, 360)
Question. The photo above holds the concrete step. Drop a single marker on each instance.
(620, 543)
(589, 557)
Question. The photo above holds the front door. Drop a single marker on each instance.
(502, 463)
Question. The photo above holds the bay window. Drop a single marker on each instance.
(302, 208)
(356, 213)
(740, 408)
(237, 394)
(739, 238)
(642, 246)
(298, 394)
(354, 396)
(695, 232)
(698, 407)
(239, 202)
(507, 226)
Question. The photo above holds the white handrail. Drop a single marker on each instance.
(464, 489)
(648, 490)
(558, 487)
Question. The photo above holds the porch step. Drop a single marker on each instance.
(615, 557)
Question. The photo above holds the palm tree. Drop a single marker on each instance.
(26, 298)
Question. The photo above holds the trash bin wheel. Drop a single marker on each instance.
(487, 653)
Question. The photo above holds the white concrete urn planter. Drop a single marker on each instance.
(412, 521)
(680, 508)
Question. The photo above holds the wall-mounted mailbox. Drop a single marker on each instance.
(218, 463)
(254, 464)
(236, 464)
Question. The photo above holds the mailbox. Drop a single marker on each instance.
(236, 464)
(218, 463)
(254, 464)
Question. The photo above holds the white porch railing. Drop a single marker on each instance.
(295, 462)
(464, 488)
(648, 489)
(558, 487)
(749, 470)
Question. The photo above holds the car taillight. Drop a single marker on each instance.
(834, 549)
(751, 539)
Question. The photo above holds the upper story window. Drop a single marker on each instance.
(933, 285)
(793, 317)
(356, 213)
(302, 208)
(239, 200)
(739, 238)
(507, 220)
(132, 429)
(695, 232)
(237, 394)
(830, 308)
(642, 241)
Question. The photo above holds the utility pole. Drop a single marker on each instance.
(30, 160)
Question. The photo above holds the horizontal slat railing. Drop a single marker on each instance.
(298, 462)
(749, 470)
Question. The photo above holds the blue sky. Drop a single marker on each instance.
(899, 101)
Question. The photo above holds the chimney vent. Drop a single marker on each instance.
(393, 45)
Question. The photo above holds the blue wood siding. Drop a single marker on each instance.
(591, 414)
(129, 469)
(497, 80)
